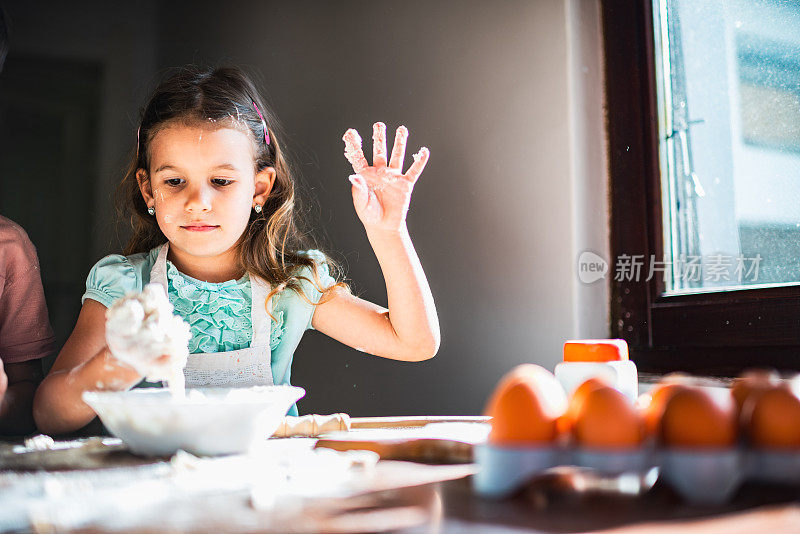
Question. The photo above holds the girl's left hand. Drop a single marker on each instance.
(381, 192)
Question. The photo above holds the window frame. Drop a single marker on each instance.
(715, 333)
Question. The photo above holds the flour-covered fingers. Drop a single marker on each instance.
(379, 145)
(353, 151)
(420, 159)
(360, 191)
(399, 149)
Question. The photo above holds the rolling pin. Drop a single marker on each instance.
(439, 451)
(315, 424)
(311, 426)
(414, 421)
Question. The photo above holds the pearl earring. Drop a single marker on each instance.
(257, 208)
(151, 210)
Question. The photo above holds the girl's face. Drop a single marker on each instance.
(203, 185)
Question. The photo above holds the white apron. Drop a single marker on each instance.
(235, 368)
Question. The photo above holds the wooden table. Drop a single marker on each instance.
(96, 485)
(396, 496)
(553, 505)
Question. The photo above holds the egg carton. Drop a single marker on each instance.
(699, 476)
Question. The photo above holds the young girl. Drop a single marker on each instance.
(212, 203)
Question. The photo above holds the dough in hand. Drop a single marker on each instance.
(141, 328)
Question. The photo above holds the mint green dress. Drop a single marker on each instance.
(218, 313)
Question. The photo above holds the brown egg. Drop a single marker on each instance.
(576, 400)
(526, 406)
(651, 404)
(606, 419)
(753, 382)
(696, 417)
(772, 418)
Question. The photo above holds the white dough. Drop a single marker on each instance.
(140, 328)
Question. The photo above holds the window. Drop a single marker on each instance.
(703, 101)
(728, 87)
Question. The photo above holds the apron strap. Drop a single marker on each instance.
(158, 274)
(262, 323)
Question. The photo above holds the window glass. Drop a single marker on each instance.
(728, 80)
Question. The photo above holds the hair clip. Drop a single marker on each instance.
(263, 123)
(137, 143)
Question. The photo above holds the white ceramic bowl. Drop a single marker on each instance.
(208, 421)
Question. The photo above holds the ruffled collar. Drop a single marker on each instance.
(242, 283)
(218, 313)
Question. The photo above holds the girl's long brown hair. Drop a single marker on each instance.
(226, 97)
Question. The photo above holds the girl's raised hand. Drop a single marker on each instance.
(381, 192)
